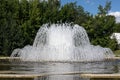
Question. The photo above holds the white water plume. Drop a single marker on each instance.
(62, 42)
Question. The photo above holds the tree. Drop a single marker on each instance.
(10, 31)
(21, 19)
(72, 13)
(100, 28)
(104, 10)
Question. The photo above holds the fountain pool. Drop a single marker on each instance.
(57, 70)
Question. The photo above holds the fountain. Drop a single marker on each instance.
(60, 52)
(62, 42)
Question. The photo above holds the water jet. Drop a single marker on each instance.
(62, 42)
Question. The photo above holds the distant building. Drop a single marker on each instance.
(117, 37)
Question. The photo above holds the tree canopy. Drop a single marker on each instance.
(21, 19)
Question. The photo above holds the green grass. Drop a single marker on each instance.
(3, 56)
(117, 53)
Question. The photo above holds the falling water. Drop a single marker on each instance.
(62, 42)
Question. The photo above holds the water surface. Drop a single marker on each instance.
(58, 70)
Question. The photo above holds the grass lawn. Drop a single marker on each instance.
(117, 53)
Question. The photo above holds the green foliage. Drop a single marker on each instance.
(117, 53)
(104, 10)
(100, 28)
(10, 33)
(21, 19)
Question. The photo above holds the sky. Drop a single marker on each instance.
(92, 6)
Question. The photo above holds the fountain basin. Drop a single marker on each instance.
(100, 76)
(15, 68)
(60, 52)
